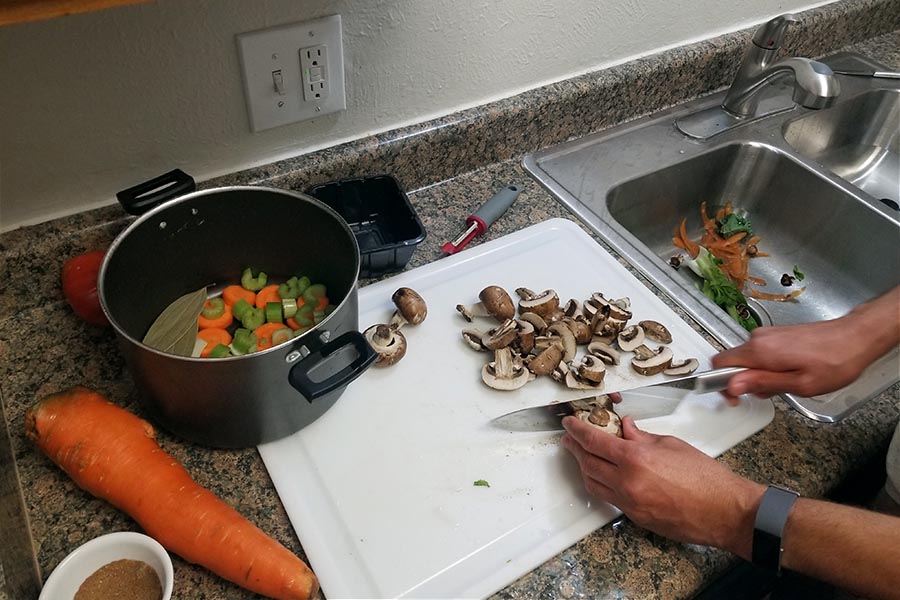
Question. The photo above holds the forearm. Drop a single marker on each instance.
(880, 320)
(854, 549)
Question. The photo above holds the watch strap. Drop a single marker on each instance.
(768, 529)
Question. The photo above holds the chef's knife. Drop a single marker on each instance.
(645, 402)
(869, 73)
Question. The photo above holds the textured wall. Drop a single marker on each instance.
(91, 104)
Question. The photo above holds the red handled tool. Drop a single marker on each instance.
(484, 217)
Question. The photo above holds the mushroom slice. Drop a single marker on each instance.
(388, 343)
(572, 308)
(604, 352)
(616, 311)
(643, 352)
(501, 336)
(525, 294)
(411, 308)
(560, 371)
(682, 367)
(524, 341)
(472, 338)
(580, 328)
(630, 338)
(494, 302)
(591, 368)
(506, 372)
(657, 363)
(544, 304)
(576, 382)
(570, 346)
(546, 361)
(656, 331)
(539, 323)
(600, 414)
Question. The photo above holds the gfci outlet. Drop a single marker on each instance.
(293, 72)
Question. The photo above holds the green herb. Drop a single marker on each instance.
(175, 329)
(482, 483)
(733, 224)
(800, 276)
(721, 290)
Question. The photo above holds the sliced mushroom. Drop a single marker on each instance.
(506, 372)
(411, 308)
(617, 311)
(657, 363)
(591, 368)
(604, 352)
(546, 360)
(525, 294)
(576, 382)
(524, 342)
(472, 338)
(572, 308)
(539, 323)
(580, 328)
(570, 346)
(501, 336)
(494, 302)
(388, 343)
(643, 352)
(682, 367)
(656, 331)
(544, 304)
(600, 414)
(560, 371)
(630, 338)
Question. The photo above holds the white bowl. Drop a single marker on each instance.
(69, 574)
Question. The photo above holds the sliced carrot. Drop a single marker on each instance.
(292, 323)
(323, 303)
(222, 322)
(233, 293)
(756, 280)
(691, 247)
(776, 297)
(264, 334)
(267, 294)
(112, 454)
(213, 336)
(761, 255)
(720, 214)
(708, 224)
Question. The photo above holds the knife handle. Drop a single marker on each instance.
(716, 380)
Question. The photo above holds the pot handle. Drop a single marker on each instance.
(139, 199)
(299, 377)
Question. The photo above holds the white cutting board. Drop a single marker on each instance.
(380, 489)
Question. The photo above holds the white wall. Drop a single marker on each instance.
(91, 104)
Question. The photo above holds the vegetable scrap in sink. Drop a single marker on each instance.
(721, 258)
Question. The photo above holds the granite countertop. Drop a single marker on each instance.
(44, 348)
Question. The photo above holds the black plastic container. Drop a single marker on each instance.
(378, 211)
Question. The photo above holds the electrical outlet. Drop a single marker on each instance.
(314, 72)
(293, 72)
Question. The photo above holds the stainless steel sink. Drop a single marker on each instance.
(858, 140)
(634, 183)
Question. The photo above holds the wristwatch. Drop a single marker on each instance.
(769, 526)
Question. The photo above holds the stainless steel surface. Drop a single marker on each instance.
(638, 402)
(238, 401)
(814, 84)
(869, 73)
(858, 140)
(19, 575)
(634, 183)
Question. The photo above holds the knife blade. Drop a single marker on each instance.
(868, 73)
(643, 402)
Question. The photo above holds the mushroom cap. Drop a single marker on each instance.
(655, 364)
(603, 418)
(546, 360)
(656, 331)
(544, 304)
(388, 343)
(591, 368)
(410, 305)
(497, 302)
(682, 367)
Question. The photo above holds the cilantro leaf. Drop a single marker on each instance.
(482, 483)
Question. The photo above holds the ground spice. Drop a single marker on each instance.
(121, 580)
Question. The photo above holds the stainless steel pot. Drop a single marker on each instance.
(206, 239)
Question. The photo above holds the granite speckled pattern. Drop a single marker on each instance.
(451, 166)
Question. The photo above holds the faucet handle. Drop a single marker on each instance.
(769, 36)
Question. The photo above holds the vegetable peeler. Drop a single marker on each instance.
(484, 217)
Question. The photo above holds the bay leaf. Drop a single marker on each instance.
(175, 329)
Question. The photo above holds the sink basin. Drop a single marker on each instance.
(816, 185)
(801, 217)
(858, 140)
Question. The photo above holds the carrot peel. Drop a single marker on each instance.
(112, 454)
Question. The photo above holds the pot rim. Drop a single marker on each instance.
(286, 345)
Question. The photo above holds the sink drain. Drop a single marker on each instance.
(890, 203)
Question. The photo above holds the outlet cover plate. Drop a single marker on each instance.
(273, 55)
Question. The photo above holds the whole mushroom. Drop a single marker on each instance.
(411, 308)
(495, 302)
(388, 343)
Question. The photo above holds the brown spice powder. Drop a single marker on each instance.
(121, 580)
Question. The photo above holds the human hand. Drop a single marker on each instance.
(808, 359)
(666, 485)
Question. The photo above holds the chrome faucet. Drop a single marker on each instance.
(815, 85)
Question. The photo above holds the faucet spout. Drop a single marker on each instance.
(815, 85)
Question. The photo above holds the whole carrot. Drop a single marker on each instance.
(113, 454)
